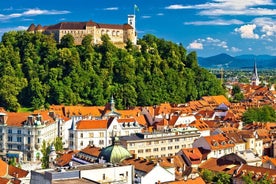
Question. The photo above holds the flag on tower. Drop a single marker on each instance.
(136, 8)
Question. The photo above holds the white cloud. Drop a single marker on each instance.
(176, 7)
(160, 14)
(31, 12)
(112, 8)
(267, 25)
(4, 30)
(146, 17)
(250, 11)
(230, 7)
(218, 22)
(208, 42)
(195, 45)
(247, 31)
(235, 49)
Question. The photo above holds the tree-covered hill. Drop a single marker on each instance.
(36, 72)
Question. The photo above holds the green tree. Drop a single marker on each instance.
(248, 178)
(12, 161)
(222, 178)
(45, 150)
(263, 114)
(58, 144)
(67, 41)
(207, 175)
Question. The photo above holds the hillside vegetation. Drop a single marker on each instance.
(37, 72)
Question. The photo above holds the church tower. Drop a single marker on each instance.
(255, 78)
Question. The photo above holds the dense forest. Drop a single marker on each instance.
(37, 72)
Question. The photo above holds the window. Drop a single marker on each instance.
(115, 127)
(91, 134)
(140, 151)
(9, 146)
(10, 138)
(19, 139)
(29, 140)
(81, 143)
(101, 142)
(19, 147)
(148, 150)
(169, 147)
(176, 140)
(101, 134)
(38, 140)
(71, 143)
(163, 149)
(10, 131)
(18, 131)
(176, 147)
(155, 149)
(81, 135)
(91, 142)
(156, 142)
(39, 132)
(71, 135)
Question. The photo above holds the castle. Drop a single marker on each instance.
(118, 34)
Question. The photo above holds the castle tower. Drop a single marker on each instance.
(255, 78)
(131, 21)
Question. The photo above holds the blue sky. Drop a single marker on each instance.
(211, 27)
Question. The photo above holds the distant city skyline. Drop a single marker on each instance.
(208, 27)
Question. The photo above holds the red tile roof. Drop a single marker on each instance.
(140, 164)
(17, 172)
(17, 118)
(197, 180)
(3, 168)
(193, 154)
(212, 164)
(91, 150)
(64, 159)
(218, 142)
(92, 124)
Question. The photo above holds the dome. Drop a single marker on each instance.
(114, 153)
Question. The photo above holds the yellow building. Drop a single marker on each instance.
(118, 33)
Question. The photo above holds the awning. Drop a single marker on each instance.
(12, 155)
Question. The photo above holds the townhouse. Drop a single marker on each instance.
(22, 134)
(99, 133)
(218, 145)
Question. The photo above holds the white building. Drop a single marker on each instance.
(160, 144)
(24, 133)
(100, 173)
(218, 145)
(158, 174)
(100, 132)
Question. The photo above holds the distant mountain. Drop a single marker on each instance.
(242, 61)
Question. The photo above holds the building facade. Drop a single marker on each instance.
(22, 134)
(100, 132)
(118, 34)
(160, 144)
